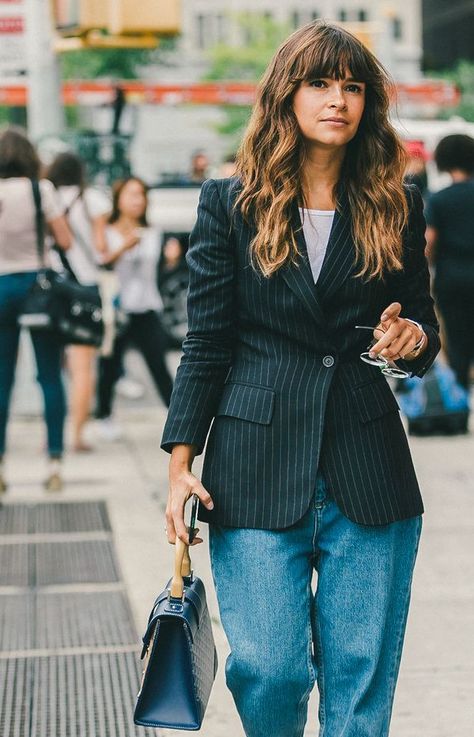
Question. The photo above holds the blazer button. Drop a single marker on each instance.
(328, 361)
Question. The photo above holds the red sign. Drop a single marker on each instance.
(11, 25)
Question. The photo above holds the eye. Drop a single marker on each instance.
(318, 83)
(355, 88)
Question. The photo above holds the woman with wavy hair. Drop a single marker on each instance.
(313, 250)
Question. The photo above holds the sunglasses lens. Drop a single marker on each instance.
(395, 373)
(373, 361)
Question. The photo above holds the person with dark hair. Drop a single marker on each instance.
(450, 238)
(134, 249)
(19, 265)
(199, 167)
(87, 209)
(313, 249)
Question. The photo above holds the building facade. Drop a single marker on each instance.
(448, 32)
(394, 28)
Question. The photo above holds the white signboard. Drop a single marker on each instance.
(12, 38)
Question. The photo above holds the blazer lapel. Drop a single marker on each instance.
(299, 276)
(337, 265)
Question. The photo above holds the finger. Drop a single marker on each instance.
(400, 344)
(387, 338)
(391, 312)
(202, 493)
(177, 513)
(170, 531)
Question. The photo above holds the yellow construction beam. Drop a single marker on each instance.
(95, 40)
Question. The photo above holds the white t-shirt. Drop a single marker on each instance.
(317, 226)
(18, 243)
(137, 270)
(82, 255)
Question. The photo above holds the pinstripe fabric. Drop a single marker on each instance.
(274, 365)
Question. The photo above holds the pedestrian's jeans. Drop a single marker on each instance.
(356, 619)
(48, 354)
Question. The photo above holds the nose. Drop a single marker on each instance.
(338, 99)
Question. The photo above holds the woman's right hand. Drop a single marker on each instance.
(131, 240)
(183, 484)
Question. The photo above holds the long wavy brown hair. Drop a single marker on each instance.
(272, 154)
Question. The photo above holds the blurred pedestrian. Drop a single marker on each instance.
(19, 265)
(307, 465)
(199, 167)
(450, 248)
(134, 249)
(87, 210)
(229, 166)
(173, 284)
(415, 171)
(118, 104)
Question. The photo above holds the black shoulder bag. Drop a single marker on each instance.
(57, 301)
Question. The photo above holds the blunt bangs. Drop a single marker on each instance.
(332, 55)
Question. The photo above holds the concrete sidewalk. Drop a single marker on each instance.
(435, 695)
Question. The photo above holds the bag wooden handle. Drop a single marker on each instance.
(182, 567)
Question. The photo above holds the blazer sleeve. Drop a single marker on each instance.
(411, 285)
(207, 349)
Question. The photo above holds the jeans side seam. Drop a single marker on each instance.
(396, 661)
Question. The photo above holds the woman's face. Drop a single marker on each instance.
(329, 111)
(132, 200)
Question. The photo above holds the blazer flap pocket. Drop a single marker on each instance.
(247, 402)
(374, 400)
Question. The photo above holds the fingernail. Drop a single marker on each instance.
(210, 505)
(372, 354)
(384, 317)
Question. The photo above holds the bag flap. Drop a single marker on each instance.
(189, 612)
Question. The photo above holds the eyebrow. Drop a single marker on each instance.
(346, 79)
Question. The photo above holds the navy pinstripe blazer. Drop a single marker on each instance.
(274, 365)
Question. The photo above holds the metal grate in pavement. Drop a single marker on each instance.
(16, 622)
(14, 519)
(15, 680)
(91, 561)
(92, 694)
(14, 565)
(53, 517)
(71, 517)
(83, 619)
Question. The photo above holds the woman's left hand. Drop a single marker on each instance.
(400, 336)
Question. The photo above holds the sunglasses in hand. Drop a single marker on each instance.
(387, 367)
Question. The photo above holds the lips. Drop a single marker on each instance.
(334, 120)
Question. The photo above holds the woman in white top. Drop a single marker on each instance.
(19, 264)
(87, 209)
(134, 249)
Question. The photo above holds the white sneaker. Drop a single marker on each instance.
(129, 388)
(109, 430)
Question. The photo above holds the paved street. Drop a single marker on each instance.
(435, 696)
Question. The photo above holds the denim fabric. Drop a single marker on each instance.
(348, 635)
(48, 354)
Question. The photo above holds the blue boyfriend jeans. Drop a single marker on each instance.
(48, 355)
(348, 635)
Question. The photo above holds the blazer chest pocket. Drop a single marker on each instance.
(247, 402)
(374, 400)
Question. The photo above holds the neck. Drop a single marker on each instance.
(126, 223)
(458, 175)
(321, 173)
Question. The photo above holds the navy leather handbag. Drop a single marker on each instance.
(181, 657)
